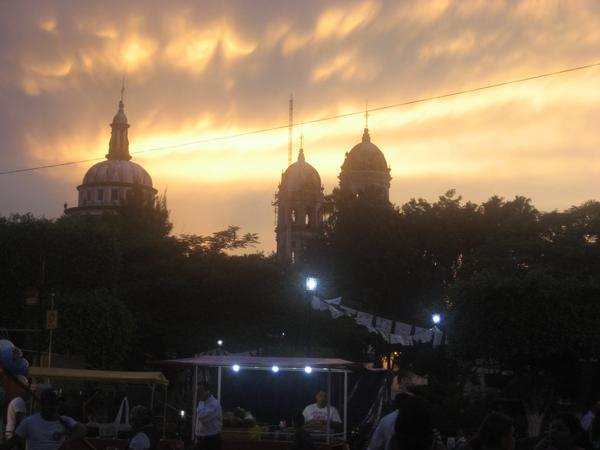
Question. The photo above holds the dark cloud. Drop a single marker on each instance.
(197, 69)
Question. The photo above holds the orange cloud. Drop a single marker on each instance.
(191, 47)
(449, 47)
(200, 72)
(345, 66)
(341, 21)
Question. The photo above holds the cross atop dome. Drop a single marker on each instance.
(301, 151)
(366, 137)
(118, 147)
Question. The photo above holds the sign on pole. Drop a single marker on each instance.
(51, 319)
(32, 296)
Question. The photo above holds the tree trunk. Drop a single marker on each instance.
(534, 423)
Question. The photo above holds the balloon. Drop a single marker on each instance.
(11, 358)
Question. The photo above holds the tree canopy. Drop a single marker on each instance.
(513, 284)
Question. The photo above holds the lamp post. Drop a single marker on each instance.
(436, 318)
(311, 285)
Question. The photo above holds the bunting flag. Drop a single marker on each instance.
(319, 305)
(383, 334)
(366, 320)
(438, 336)
(400, 339)
(363, 318)
(419, 330)
(384, 326)
(403, 329)
(350, 312)
(335, 313)
(334, 301)
(423, 337)
(403, 333)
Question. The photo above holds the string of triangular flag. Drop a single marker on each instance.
(393, 332)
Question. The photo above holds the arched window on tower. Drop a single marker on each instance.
(294, 215)
(100, 195)
(307, 218)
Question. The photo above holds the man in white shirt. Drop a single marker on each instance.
(315, 414)
(588, 417)
(145, 437)
(17, 408)
(209, 420)
(46, 430)
(382, 436)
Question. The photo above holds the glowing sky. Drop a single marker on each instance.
(196, 70)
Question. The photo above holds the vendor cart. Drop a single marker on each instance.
(265, 438)
(150, 379)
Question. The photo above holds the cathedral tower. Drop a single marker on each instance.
(107, 184)
(365, 168)
(299, 202)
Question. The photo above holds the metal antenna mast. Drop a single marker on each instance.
(290, 127)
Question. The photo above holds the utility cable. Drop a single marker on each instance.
(322, 119)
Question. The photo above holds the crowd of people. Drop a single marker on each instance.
(410, 427)
(50, 430)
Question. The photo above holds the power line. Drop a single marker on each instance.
(322, 119)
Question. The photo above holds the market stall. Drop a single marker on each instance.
(153, 380)
(267, 436)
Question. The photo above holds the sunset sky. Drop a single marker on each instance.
(202, 69)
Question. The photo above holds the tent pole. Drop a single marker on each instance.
(164, 427)
(345, 405)
(195, 402)
(328, 406)
(152, 397)
(219, 384)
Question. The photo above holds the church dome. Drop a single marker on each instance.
(300, 176)
(117, 171)
(365, 156)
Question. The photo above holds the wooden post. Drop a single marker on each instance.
(345, 405)
(328, 429)
(195, 402)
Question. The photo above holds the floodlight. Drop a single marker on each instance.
(311, 284)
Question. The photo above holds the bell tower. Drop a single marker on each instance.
(299, 202)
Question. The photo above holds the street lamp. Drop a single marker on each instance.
(436, 318)
(311, 284)
(220, 343)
